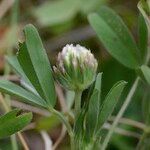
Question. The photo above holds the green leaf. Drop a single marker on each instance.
(17, 91)
(35, 64)
(56, 12)
(115, 36)
(146, 106)
(93, 109)
(146, 73)
(13, 62)
(110, 103)
(79, 129)
(88, 6)
(25, 82)
(143, 37)
(11, 122)
(144, 8)
(48, 123)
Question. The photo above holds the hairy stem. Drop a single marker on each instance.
(65, 122)
(72, 143)
(62, 119)
(120, 113)
(77, 100)
(14, 142)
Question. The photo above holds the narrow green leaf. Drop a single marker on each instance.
(144, 8)
(54, 12)
(93, 109)
(17, 91)
(88, 6)
(25, 82)
(79, 129)
(143, 37)
(11, 122)
(146, 106)
(9, 115)
(98, 82)
(110, 103)
(115, 36)
(13, 62)
(146, 73)
(34, 62)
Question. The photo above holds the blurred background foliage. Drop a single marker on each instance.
(61, 22)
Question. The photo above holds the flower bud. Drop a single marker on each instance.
(76, 67)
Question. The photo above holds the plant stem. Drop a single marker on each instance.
(5, 105)
(15, 12)
(63, 120)
(120, 113)
(66, 123)
(129, 122)
(142, 139)
(140, 144)
(23, 142)
(72, 143)
(14, 142)
(14, 17)
(77, 100)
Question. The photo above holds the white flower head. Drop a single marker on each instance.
(77, 65)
